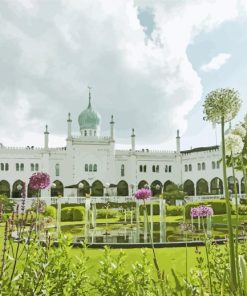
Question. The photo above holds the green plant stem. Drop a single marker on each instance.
(244, 174)
(207, 255)
(154, 254)
(228, 210)
(237, 225)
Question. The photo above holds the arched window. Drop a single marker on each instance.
(36, 166)
(203, 166)
(144, 168)
(2, 166)
(22, 167)
(218, 164)
(170, 168)
(157, 168)
(213, 165)
(32, 167)
(199, 166)
(57, 169)
(85, 133)
(122, 170)
(140, 168)
(86, 167)
(6, 166)
(190, 167)
(166, 168)
(153, 168)
(17, 166)
(90, 168)
(95, 167)
(186, 168)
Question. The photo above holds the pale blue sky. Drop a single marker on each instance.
(150, 63)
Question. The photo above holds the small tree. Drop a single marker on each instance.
(7, 204)
(173, 192)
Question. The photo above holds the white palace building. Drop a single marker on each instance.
(93, 160)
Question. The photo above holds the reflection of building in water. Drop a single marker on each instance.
(93, 160)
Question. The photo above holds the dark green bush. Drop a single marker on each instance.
(110, 213)
(72, 213)
(218, 206)
(156, 209)
(78, 213)
(174, 210)
(242, 210)
(50, 211)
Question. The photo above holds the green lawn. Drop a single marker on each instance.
(169, 258)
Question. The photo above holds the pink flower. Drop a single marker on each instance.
(201, 211)
(39, 180)
(143, 193)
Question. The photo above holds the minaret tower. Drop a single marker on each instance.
(112, 129)
(133, 141)
(178, 142)
(69, 121)
(46, 137)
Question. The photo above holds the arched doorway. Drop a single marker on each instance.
(122, 188)
(97, 188)
(58, 189)
(142, 184)
(156, 188)
(167, 183)
(189, 188)
(15, 192)
(216, 186)
(5, 188)
(85, 189)
(201, 187)
(230, 181)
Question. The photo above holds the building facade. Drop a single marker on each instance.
(93, 160)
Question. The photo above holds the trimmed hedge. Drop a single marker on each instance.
(242, 209)
(110, 213)
(72, 213)
(50, 211)
(218, 206)
(174, 210)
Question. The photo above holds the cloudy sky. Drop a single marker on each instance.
(150, 63)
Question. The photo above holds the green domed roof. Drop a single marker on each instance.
(89, 119)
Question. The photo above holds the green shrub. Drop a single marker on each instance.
(110, 213)
(67, 214)
(78, 213)
(128, 216)
(114, 205)
(156, 209)
(174, 210)
(218, 206)
(50, 211)
(242, 210)
(72, 214)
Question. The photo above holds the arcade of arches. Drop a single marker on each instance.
(201, 187)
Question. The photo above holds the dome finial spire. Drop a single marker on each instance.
(89, 96)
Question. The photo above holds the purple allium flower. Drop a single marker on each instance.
(39, 181)
(201, 211)
(143, 193)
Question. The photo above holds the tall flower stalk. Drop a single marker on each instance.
(144, 194)
(221, 106)
(39, 181)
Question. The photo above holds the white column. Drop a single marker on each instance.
(87, 208)
(178, 142)
(112, 128)
(137, 222)
(162, 221)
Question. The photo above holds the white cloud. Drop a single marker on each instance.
(51, 50)
(216, 62)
